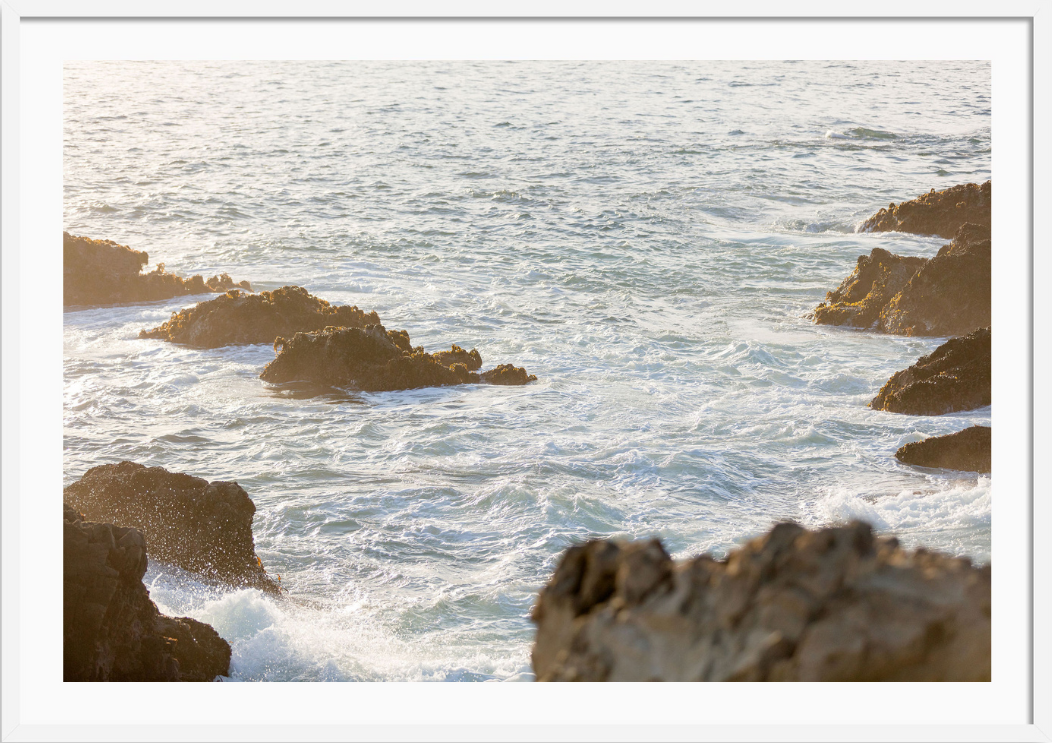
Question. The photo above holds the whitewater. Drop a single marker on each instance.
(646, 238)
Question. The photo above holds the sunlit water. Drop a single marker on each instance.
(645, 238)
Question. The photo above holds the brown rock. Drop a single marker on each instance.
(955, 376)
(111, 630)
(835, 604)
(457, 355)
(375, 359)
(239, 318)
(936, 213)
(103, 272)
(967, 450)
(945, 295)
(202, 527)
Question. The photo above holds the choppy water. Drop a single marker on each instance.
(645, 237)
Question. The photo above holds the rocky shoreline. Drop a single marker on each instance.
(967, 450)
(98, 272)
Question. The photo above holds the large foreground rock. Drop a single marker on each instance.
(936, 213)
(836, 604)
(942, 296)
(111, 630)
(202, 527)
(375, 359)
(967, 450)
(239, 318)
(955, 376)
(103, 272)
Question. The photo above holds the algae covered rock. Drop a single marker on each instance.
(945, 295)
(374, 359)
(836, 604)
(111, 630)
(967, 450)
(103, 272)
(955, 376)
(202, 527)
(237, 318)
(936, 213)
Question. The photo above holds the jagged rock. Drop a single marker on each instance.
(967, 450)
(861, 297)
(111, 630)
(457, 355)
(239, 318)
(945, 295)
(955, 376)
(202, 527)
(375, 359)
(103, 272)
(936, 213)
(835, 604)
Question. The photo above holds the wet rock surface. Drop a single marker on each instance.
(103, 272)
(967, 450)
(375, 359)
(945, 295)
(937, 212)
(111, 630)
(837, 604)
(201, 527)
(239, 318)
(953, 377)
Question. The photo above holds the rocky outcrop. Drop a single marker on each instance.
(945, 295)
(955, 376)
(239, 318)
(936, 213)
(836, 604)
(375, 359)
(202, 527)
(103, 272)
(111, 630)
(967, 450)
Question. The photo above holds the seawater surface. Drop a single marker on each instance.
(646, 238)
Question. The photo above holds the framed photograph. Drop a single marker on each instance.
(400, 346)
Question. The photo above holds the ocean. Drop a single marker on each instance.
(646, 238)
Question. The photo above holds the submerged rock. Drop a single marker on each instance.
(202, 527)
(955, 376)
(967, 450)
(103, 272)
(111, 630)
(239, 318)
(936, 213)
(375, 359)
(837, 604)
(945, 295)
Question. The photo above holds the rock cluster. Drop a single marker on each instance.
(111, 630)
(103, 272)
(202, 527)
(837, 604)
(936, 213)
(374, 359)
(967, 450)
(955, 376)
(945, 295)
(239, 318)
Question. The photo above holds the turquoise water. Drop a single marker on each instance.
(646, 238)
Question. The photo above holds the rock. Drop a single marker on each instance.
(111, 630)
(837, 604)
(859, 300)
(239, 318)
(374, 359)
(457, 355)
(945, 295)
(955, 376)
(967, 450)
(201, 527)
(936, 213)
(103, 272)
